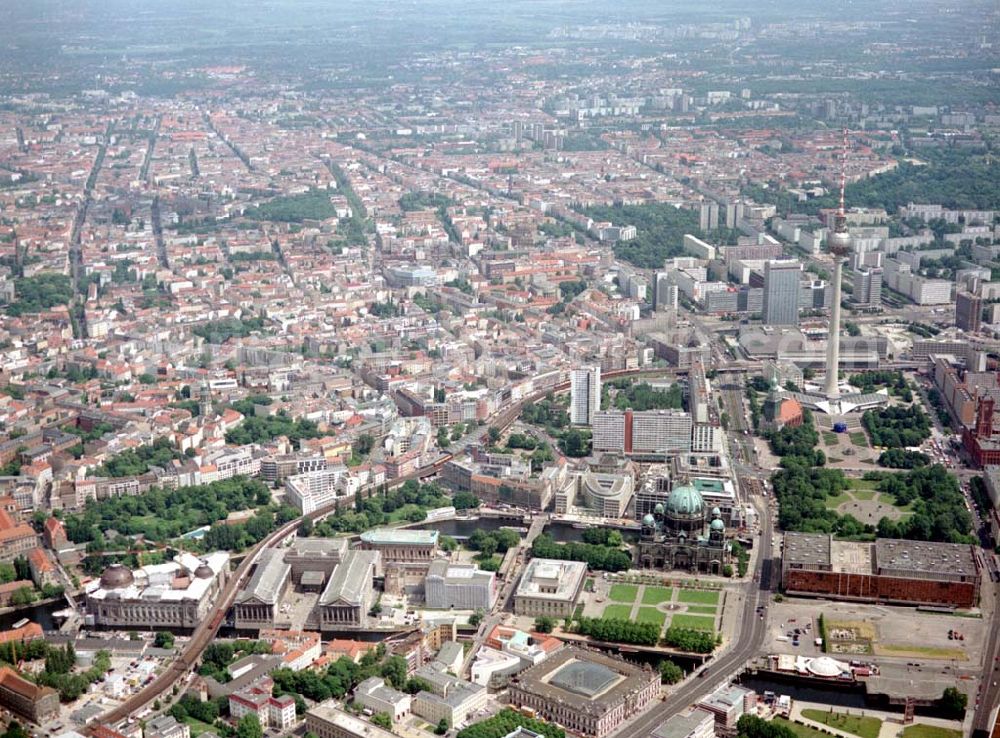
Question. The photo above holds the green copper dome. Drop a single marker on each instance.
(717, 524)
(648, 520)
(685, 502)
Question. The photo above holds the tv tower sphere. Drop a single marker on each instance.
(839, 241)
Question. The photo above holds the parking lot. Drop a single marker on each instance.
(134, 663)
(883, 633)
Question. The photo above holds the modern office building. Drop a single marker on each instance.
(696, 723)
(968, 312)
(325, 720)
(459, 586)
(449, 697)
(316, 490)
(867, 286)
(782, 285)
(727, 705)
(665, 293)
(606, 495)
(375, 695)
(642, 433)
(585, 395)
(549, 587)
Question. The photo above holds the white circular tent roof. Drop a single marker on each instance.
(824, 666)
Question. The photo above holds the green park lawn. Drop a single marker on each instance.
(866, 727)
(697, 622)
(858, 438)
(198, 727)
(921, 730)
(698, 596)
(891, 501)
(656, 595)
(624, 592)
(700, 610)
(617, 612)
(830, 439)
(835, 501)
(650, 615)
(802, 731)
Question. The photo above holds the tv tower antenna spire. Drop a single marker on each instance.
(843, 175)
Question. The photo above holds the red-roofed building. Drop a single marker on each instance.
(43, 571)
(256, 699)
(104, 731)
(298, 649)
(29, 632)
(338, 647)
(7, 590)
(15, 538)
(54, 534)
(27, 699)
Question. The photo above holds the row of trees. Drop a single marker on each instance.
(58, 672)
(218, 655)
(660, 230)
(690, 639)
(135, 461)
(642, 396)
(506, 722)
(498, 541)
(619, 630)
(897, 426)
(751, 726)
(546, 413)
(606, 558)
(603, 537)
(162, 514)
(897, 458)
(575, 442)
(190, 706)
(894, 381)
(939, 512)
(40, 292)
(312, 205)
(240, 536)
(220, 331)
(260, 429)
(385, 506)
(798, 442)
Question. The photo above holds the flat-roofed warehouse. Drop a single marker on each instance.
(888, 571)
